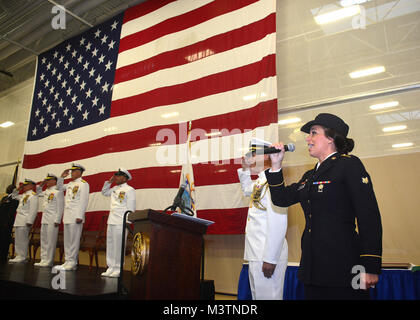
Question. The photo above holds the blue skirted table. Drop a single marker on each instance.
(392, 285)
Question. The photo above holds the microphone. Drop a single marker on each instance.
(178, 203)
(178, 197)
(287, 147)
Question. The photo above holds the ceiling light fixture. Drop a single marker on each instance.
(366, 72)
(402, 145)
(337, 14)
(384, 105)
(346, 3)
(394, 128)
(7, 124)
(289, 121)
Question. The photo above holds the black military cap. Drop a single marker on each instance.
(328, 120)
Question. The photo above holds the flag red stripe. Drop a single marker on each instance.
(257, 116)
(238, 121)
(212, 84)
(165, 177)
(110, 144)
(219, 43)
(143, 178)
(144, 8)
(182, 22)
(93, 220)
(227, 221)
(207, 174)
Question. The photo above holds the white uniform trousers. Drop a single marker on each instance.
(113, 246)
(263, 288)
(21, 242)
(72, 234)
(49, 235)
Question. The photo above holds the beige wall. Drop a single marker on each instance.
(14, 106)
(395, 180)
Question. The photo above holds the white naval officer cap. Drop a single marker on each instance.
(76, 166)
(51, 176)
(28, 181)
(257, 145)
(123, 172)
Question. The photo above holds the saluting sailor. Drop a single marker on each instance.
(25, 217)
(266, 247)
(75, 204)
(333, 195)
(123, 198)
(52, 212)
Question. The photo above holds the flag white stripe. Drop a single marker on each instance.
(212, 64)
(166, 12)
(224, 196)
(220, 24)
(203, 151)
(228, 196)
(221, 103)
(148, 198)
(145, 199)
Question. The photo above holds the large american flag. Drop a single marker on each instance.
(123, 93)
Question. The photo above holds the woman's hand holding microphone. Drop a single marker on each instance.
(277, 158)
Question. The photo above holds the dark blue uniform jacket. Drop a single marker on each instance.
(334, 198)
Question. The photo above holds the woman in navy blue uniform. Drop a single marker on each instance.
(338, 261)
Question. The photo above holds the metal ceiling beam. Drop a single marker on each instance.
(29, 32)
(6, 73)
(71, 13)
(19, 45)
(351, 98)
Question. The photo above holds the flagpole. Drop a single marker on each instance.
(202, 261)
(192, 188)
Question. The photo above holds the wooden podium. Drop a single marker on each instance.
(166, 255)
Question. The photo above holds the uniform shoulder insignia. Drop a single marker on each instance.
(84, 181)
(33, 193)
(346, 155)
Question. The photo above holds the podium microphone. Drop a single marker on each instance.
(287, 147)
(178, 197)
(178, 203)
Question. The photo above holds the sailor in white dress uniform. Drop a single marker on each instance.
(52, 212)
(123, 198)
(266, 247)
(75, 204)
(25, 217)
